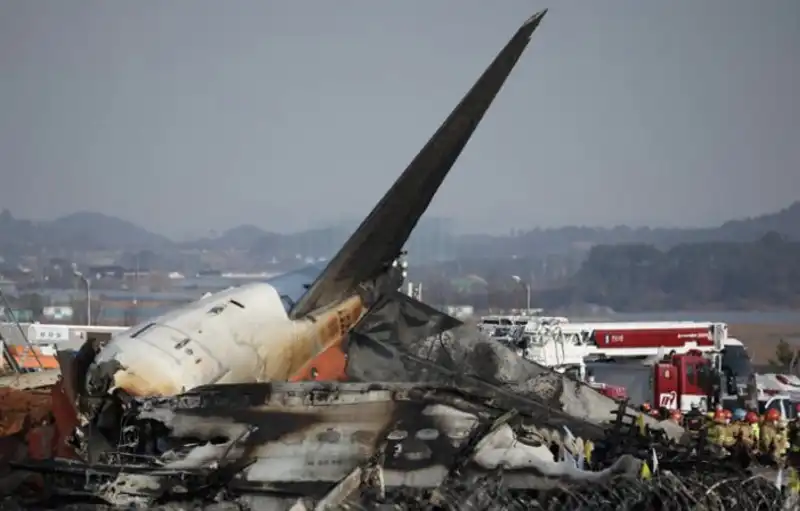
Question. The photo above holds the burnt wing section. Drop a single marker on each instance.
(398, 318)
(381, 236)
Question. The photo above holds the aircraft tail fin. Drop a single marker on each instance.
(380, 238)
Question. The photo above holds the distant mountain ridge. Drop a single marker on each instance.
(83, 230)
(433, 240)
(240, 238)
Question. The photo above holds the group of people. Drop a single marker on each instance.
(768, 434)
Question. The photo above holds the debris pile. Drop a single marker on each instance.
(21, 408)
(362, 445)
(453, 421)
(665, 492)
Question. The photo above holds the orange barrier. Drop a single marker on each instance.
(25, 358)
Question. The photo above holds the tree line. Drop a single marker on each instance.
(738, 276)
(764, 274)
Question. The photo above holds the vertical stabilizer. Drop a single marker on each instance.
(382, 235)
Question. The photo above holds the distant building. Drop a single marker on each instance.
(20, 315)
(107, 271)
(60, 313)
(460, 311)
(8, 287)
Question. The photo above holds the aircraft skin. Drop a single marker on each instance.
(239, 335)
(271, 330)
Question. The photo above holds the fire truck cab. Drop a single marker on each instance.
(683, 381)
(686, 380)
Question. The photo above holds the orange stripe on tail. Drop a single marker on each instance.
(329, 365)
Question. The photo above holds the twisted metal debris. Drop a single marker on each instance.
(665, 492)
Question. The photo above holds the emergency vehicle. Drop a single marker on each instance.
(564, 344)
(506, 328)
(765, 385)
(682, 381)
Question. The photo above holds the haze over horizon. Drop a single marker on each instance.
(188, 117)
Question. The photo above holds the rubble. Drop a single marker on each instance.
(356, 445)
(301, 439)
(391, 346)
(306, 437)
(453, 421)
(22, 408)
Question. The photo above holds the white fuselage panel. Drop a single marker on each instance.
(224, 338)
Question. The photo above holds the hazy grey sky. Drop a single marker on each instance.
(185, 116)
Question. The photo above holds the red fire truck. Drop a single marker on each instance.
(683, 381)
(686, 380)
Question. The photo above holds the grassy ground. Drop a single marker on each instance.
(762, 339)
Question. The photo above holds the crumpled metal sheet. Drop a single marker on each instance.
(668, 492)
(367, 445)
(303, 438)
(389, 348)
(21, 409)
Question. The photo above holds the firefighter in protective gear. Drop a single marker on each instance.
(755, 428)
(645, 408)
(740, 430)
(728, 416)
(694, 419)
(772, 438)
(794, 436)
(717, 432)
(782, 440)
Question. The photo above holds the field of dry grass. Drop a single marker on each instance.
(762, 339)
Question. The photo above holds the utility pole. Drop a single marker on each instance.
(519, 280)
(88, 286)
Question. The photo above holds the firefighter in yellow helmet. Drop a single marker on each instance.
(772, 437)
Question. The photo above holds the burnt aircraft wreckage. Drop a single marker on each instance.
(214, 401)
